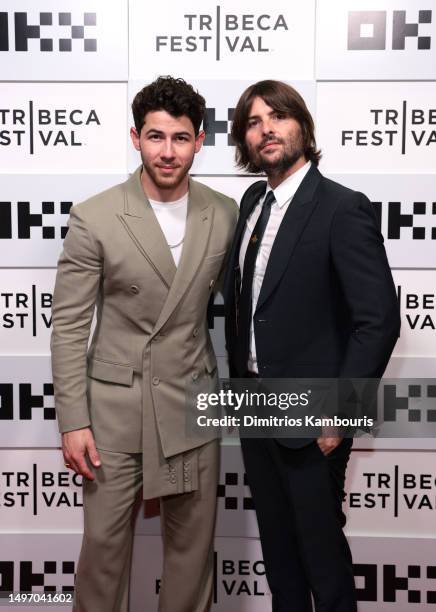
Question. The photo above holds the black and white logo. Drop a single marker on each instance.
(215, 125)
(30, 403)
(235, 578)
(391, 40)
(367, 30)
(399, 128)
(27, 576)
(412, 220)
(34, 213)
(240, 40)
(223, 33)
(31, 127)
(417, 402)
(233, 495)
(66, 40)
(53, 31)
(39, 490)
(27, 403)
(52, 128)
(19, 222)
(396, 491)
(395, 583)
(419, 309)
(28, 310)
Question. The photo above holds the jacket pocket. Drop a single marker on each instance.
(111, 372)
(210, 363)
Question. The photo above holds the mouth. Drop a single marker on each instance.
(268, 145)
(166, 167)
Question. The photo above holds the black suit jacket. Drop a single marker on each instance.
(327, 306)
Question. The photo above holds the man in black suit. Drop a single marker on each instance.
(308, 294)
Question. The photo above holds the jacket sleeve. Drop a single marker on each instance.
(77, 283)
(219, 285)
(360, 261)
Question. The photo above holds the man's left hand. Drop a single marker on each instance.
(328, 444)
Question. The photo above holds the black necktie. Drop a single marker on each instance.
(245, 299)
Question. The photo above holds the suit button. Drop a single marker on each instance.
(195, 332)
(134, 289)
(194, 375)
(155, 380)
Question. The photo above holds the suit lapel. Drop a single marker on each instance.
(248, 202)
(198, 227)
(144, 229)
(291, 228)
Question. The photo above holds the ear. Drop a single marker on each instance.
(135, 138)
(199, 139)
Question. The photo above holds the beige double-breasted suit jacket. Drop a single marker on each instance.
(151, 338)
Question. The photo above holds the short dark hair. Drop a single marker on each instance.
(175, 96)
(282, 98)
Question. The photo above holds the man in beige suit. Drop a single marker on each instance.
(147, 254)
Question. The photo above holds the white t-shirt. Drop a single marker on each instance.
(172, 220)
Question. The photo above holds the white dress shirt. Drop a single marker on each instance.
(283, 197)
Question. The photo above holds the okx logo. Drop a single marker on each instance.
(234, 492)
(216, 126)
(394, 582)
(29, 402)
(368, 30)
(415, 220)
(17, 221)
(47, 574)
(418, 401)
(53, 31)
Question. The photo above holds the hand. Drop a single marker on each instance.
(75, 445)
(328, 444)
(329, 440)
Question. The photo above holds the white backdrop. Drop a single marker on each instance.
(68, 73)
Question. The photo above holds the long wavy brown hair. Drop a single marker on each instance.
(282, 98)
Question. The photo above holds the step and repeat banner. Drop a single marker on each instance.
(68, 73)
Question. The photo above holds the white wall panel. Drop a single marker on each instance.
(392, 39)
(34, 213)
(59, 128)
(63, 40)
(249, 39)
(377, 127)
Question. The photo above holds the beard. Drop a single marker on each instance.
(291, 153)
(167, 182)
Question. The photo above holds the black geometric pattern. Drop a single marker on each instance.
(232, 500)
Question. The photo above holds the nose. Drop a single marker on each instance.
(267, 126)
(167, 151)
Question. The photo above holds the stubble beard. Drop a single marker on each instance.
(292, 151)
(169, 182)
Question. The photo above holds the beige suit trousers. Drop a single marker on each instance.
(188, 523)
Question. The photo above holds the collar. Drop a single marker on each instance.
(286, 190)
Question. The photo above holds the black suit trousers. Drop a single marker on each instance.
(298, 496)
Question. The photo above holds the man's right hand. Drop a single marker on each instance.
(75, 446)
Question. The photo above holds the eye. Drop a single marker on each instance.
(252, 122)
(154, 137)
(279, 116)
(182, 138)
